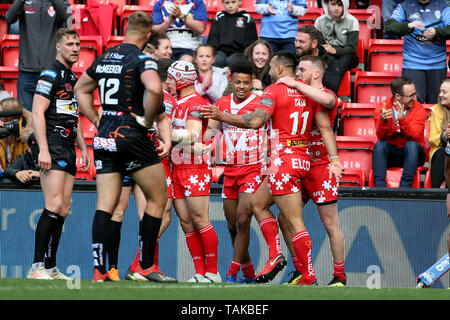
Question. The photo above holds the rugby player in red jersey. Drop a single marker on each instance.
(291, 112)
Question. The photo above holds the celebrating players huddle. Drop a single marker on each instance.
(280, 149)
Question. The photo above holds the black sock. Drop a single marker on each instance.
(149, 234)
(50, 255)
(43, 233)
(100, 239)
(114, 243)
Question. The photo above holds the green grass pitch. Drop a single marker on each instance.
(24, 289)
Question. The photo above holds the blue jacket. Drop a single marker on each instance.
(419, 52)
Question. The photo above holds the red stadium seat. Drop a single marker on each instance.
(10, 50)
(427, 182)
(148, 3)
(357, 119)
(91, 172)
(212, 7)
(367, 19)
(91, 47)
(79, 71)
(311, 4)
(352, 178)
(127, 11)
(345, 89)
(249, 6)
(113, 41)
(310, 17)
(356, 153)
(373, 87)
(9, 76)
(89, 129)
(393, 177)
(3, 24)
(385, 55)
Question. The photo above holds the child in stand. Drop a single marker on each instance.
(232, 30)
(210, 83)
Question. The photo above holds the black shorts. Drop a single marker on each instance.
(63, 156)
(124, 155)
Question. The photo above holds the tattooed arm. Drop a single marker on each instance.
(253, 120)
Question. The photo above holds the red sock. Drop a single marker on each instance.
(339, 269)
(248, 269)
(194, 243)
(156, 254)
(269, 229)
(136, 260)
(297, 264)
(210, 244)
(234, 268)
(302, 247)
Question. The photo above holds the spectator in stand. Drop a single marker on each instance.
(24, 169)
(38, 22)
(12, 147)
(279, 22)
(183, 22)
(399, 122)
(210, 84)
(424, 25)
(308, 41)
(162, 46)
(340, 31)
(259, 53)
(439, 119)
(231, 32)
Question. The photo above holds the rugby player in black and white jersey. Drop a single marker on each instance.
(122, 145)
(56, 127)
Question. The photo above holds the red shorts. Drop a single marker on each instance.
(286, 173)
(242, 179)
(318, 186)
(191, 182)
(166, 164)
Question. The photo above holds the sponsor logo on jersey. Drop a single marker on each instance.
(69, 107)
(296, 143)
(44, 87)
(112, 113)
(62, 163)
(49, 73)
(114, 55)
(150, 65)
(266, 102)
(109, 68)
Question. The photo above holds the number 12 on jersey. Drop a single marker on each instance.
(107, 88)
